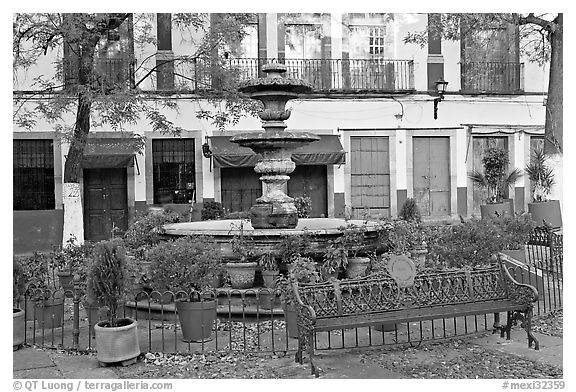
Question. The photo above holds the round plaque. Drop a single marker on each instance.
(402, 270)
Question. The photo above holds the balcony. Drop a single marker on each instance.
(109, 73)
(326, 75)
(492, 77)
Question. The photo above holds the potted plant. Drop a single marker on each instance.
(356, 262)
(543, 210)
(19, 322)
(142, 234)
(495, 180)
(408, 237)
(269, 268)
(304, 270)
(68, 260)
(44, 303)
(335, 258)
(303, 206)
(241, 269)
(187, 267)
(116, 338)
(292, 247)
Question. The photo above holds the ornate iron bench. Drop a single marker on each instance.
(403, 296)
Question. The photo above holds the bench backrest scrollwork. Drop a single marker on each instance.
(380, 292)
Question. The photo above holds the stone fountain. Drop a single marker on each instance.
(274, 215)
(274, 209)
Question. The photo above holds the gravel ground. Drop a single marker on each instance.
(458, 359)
(550, 324)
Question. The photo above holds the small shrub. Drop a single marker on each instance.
(267, 262)
(304, 270)
(107, 276)
(212, 210)
(293, 246)
(406, 235)
(410, 211)
(38, 274)
(303, 206)
(71, 257)
(185, 264)
(143, 233)
(474, 242)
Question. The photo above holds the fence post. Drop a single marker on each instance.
(76, 312)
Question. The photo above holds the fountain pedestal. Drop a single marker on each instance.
(274, 209)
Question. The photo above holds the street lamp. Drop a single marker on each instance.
(441, 85)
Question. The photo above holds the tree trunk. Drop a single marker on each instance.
(73, 213)
(553, 144)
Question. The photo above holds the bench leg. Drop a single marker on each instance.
(527, 325)
(310, 342)
(497, 326)
(508, 327)
(298, 357)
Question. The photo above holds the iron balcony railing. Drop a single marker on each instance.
(492, 77)
(326, 75)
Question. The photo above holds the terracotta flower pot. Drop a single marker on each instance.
(47, 314)
(241, 274)
(548, 211)
(269, 278)
(196, 320)
(117, 344)
(266, 299)
(356, 267)
(18, 328)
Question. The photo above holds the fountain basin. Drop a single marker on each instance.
(320, 230)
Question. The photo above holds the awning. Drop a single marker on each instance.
(326, 151)
(109, 152)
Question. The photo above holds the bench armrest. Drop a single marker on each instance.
(306, 314)
(519, 292)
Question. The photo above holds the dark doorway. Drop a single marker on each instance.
(240, 187)
(311, 181)
(105, 203)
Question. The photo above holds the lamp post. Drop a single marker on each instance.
(441, 85)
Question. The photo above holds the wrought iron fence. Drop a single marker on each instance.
(492, 77)
(254, 320)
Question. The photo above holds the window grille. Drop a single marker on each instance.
(173, 171)
(33, 174)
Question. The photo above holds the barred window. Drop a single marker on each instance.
(173, 171)
(33, 174)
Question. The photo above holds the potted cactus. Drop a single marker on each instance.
(543, 210)
(495, 180)
(116, 338)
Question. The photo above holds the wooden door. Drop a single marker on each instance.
(432, 175)
(311, 181)
(479, 146)
(370, 176)
(105, 203)
(240, 187)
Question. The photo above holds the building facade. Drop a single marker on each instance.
(372, 106)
